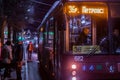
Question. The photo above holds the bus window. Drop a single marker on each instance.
(88, 25)
(80, 30)
(115, 19)
(86, 33)
(49, 33)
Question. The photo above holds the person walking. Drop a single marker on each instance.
(18, 57)
(30, 48)
(7, 58)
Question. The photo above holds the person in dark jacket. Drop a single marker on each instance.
(7, 58)
(115, 42)
(30, 48)
(18, 57)
(83, 38)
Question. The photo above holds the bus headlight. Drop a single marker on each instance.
(73, 73)
(74, 66)
(74, 78)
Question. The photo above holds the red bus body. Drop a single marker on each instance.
(58, 34)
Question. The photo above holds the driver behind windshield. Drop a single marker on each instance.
(84, 38)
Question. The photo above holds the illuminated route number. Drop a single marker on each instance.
(76, 49)
(78, 58)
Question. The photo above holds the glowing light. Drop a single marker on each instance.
(99, 67)
(74, 78)
(51, 33)
(83, 21)
(41, 29)
(6, 32)
(84, 68)
(73, 73)
(91, 68)
(28, 10)
(72, 9)
(111, 69)
(74, 66)
(92, 10)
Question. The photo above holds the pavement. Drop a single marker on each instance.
(32, 68)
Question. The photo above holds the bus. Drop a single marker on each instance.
(63, 56)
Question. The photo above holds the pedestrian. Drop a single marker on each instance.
(30, 48)
(7, 58)
(1, 65)
(18, 57)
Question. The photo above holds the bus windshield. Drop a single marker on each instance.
(90, 34)
(86, 34)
